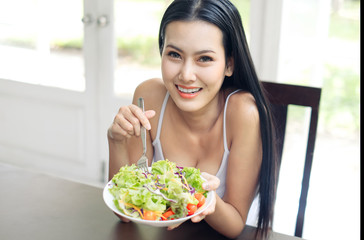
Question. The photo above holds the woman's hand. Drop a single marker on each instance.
(211, 184)
(127, 122)
(123, 219)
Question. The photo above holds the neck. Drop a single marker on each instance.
(205, 119)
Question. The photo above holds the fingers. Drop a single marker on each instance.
(145, 118)
(128, 121)
(173, 226)
(149, 114)
(137, 117)
(122, 218)
(212, 182)
(130, 118)
(207, 211)
(198, 218)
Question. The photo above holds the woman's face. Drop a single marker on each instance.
(193, 63)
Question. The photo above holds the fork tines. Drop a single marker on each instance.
(143, 164)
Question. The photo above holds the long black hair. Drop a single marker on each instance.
(226, 17)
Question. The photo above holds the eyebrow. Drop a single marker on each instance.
(198, 52)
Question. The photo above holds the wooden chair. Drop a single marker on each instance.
(280, 96)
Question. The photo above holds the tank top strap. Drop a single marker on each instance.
(161, 116)
(224, 122)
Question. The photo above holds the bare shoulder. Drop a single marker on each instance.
(242, 106)
(153, 92)
(242, 115)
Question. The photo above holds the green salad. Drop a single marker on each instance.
(167, 192)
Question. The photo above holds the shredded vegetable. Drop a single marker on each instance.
(166, 187)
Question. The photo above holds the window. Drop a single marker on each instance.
(41, 43)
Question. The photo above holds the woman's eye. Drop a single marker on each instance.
(174, 55)
(205, 59)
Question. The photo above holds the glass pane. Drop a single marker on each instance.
(136, 26)
(304, 31)
(320, 46)
(244, 9)
(41, 42)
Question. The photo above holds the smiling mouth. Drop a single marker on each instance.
(188, 90)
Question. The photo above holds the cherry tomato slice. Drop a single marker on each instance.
(167, 214)
(200, 198)
(191, 208)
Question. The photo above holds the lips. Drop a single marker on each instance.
(188, 92)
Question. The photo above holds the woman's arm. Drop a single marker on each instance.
(125, 146)
(118, 154)
(244, 142)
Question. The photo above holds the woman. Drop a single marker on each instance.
(208, 111)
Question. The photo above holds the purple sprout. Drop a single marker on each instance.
(192, 190)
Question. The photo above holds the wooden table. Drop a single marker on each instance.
(38, 206)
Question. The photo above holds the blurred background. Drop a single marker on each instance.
(66, 67)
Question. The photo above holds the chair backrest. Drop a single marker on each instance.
(280, 96)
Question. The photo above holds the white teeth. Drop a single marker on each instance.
(191, 90)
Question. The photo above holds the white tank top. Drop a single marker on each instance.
(221, 173)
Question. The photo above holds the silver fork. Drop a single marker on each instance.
(143, 161)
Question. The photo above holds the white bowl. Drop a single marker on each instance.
(109, 200)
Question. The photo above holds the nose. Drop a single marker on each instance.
(187, 72)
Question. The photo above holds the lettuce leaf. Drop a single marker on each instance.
(162, 167)
(132, 188)
(193, 177)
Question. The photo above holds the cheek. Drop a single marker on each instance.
(169, 70)
(213, 75)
